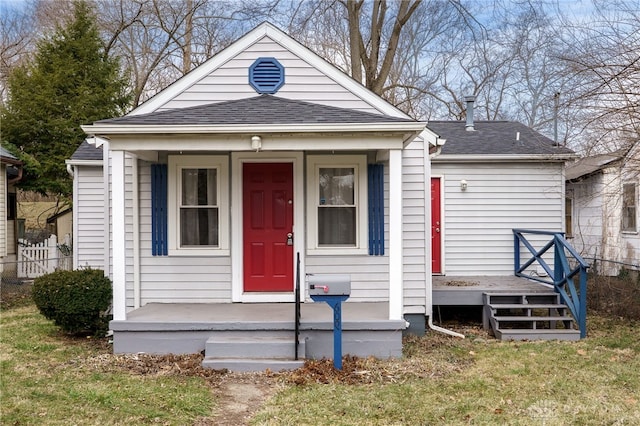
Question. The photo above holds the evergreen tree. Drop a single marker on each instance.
(70, 81)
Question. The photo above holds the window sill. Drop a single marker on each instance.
(337, 251)
(199, 252)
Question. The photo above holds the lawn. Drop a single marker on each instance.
(480, 381)
(48, 378)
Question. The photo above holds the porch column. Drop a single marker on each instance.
(395, 235)
(118, 234)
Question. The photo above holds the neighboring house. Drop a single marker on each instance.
(10, 172)
(602, 208)
(487, 178)
(213, 186)
(61, 224)
(90, 241)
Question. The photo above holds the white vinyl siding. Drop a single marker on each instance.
(414, 228)
(181, 279)
(302, 82)
(478, 222)
(90, 226)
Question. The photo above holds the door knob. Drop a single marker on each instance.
(290, 239)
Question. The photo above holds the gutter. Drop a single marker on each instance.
(474, 158)
(118, 129)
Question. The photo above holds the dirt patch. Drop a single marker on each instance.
(14, 292)
(239, 396)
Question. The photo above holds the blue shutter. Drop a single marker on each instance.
(159, 210)
(376, 209)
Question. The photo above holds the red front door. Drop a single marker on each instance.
(267, 225)
(436, 240)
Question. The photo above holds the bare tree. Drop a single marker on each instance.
(16, 27)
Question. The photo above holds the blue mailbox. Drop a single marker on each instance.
(332, 289)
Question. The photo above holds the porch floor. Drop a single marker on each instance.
(467, 290)
(186, 327)
(250, 316)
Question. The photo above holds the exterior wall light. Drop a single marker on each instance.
(256, 143)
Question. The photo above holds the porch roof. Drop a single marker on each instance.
(264, 114)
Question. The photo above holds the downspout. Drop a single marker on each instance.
(17, 178)
(427, 253)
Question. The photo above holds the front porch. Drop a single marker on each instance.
(178, 328)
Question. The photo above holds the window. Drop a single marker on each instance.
(337, 204)
(198, 202)
(629, 207)
(568, 214)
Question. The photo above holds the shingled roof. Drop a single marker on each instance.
(263, 109)
(7, 157)
(87, 152)
(494, 138)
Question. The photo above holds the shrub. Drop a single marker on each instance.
(76, 301)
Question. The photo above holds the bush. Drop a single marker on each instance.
(76, 301)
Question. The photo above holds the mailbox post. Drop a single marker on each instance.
(332, 289)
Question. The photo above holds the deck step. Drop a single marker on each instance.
(528, 316)
(517, 318)
(252, 353)
(527, 306)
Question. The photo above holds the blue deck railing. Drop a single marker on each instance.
(562, 275)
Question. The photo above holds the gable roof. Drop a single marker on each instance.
(261, 31)
(495, 139)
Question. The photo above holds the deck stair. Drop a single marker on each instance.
(239, 352)
(528, 316)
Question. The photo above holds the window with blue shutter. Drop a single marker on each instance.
(376, 209)
(159, 237)
(266, 75)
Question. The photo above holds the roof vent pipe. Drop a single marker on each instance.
(469, 125)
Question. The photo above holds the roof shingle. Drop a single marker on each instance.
(263, 109)
(494, 138)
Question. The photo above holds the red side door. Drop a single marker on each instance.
(436, 240)
(267, 223)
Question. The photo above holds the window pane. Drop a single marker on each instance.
(199, 227)
(629, 207)
(336, 186)
(199, 187)
(336, 226)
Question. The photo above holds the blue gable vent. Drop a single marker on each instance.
(266, 75)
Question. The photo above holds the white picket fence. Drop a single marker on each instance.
(35, 260)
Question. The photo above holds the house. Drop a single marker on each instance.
(10, 173)
(61, 224)
(488, 178)
(198, 202)
(602, 208)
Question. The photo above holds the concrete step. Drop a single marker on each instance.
(251, 364)
(529, 334)
(266, 347)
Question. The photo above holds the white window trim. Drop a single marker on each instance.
(176, 164)
(636, 197)
(314, 163)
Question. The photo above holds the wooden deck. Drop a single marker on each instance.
(461, 291)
